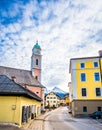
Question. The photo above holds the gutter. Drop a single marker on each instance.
(100, 69)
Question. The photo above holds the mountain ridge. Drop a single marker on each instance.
(57, 91)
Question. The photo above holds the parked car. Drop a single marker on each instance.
(96, 115)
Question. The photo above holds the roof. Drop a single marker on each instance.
(81, 58)
(23, 77)
(85, 58)
(53, 93)
(100, 56)
(9, 87)
(37, 46)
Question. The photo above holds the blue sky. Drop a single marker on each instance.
(64, 29)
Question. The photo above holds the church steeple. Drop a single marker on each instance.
(37, 46)
(36, 62)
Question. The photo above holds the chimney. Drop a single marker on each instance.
(100, 53)
(13, 78)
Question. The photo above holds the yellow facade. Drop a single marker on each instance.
(90, 84)
(11, 108)
(67, 100)
(85, 96)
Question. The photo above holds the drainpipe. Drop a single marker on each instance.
(100, 57)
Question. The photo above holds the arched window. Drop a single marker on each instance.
(36, 61)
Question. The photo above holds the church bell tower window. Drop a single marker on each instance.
(36, 61)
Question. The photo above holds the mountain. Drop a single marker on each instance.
(57, 91)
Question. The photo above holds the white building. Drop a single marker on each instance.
(52, 100)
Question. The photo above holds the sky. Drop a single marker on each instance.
(64, 29)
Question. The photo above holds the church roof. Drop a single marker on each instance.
(23, 77)
(37, 46)
(9, 87)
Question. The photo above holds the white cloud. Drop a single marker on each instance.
(63, 30)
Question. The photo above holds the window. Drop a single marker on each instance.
(99, 108)
(83, 77)
(36, 61)
(37, 92)
(83, 91)
(36, 77)
(47, 97)
(84, 109)
(98, 92)
(82, 65)
(96, 76)
(95, 64)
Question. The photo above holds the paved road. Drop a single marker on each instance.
(60, 120)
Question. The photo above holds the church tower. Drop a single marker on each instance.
(36, 62)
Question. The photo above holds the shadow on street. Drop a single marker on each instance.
(7, 127)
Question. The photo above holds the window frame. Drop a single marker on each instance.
(81, 78)
(37, 62)
(99, 108)
(36, 77)
(82, 65)
(82, 92)
(98, 94)
(95, 65)
(84, 108)
(37, 92)
(95, 78)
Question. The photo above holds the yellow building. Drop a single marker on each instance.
(67, 99)
(17, 104)
(85, 89)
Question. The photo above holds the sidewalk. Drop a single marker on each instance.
(9, 126)
(37, 123)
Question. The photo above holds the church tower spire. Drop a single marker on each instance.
(36, 62)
